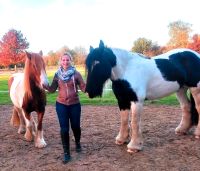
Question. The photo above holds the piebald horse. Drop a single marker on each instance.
(27, 95)
(136, 78)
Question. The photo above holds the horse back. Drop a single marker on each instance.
(180, 66)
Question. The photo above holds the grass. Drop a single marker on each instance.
(108, 98)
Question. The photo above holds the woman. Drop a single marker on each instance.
(68, 108)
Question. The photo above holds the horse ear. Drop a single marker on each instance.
(101, 45)
(28, 55)
(41, 53)
(91, 48)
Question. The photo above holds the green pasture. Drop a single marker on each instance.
(108, 97)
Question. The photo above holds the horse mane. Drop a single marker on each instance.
(143, 56)
(31, 75)
(27, 85)
(128, 54)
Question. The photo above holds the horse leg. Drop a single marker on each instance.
(185, 123)
(136, 142)
(28, 134)
(39, 139)
(14, 121)
(17, 119)
(34, 125)
(196, 94)
(124, 128)
(22, 126)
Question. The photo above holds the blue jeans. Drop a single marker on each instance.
(66, 114)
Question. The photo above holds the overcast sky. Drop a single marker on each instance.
(51, 24)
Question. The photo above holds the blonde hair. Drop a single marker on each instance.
(65, 54)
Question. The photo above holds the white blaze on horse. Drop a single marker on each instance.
(136, 79)
(27, 95)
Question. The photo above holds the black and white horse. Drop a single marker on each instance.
(136, 78)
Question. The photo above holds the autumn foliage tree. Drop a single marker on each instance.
(179, 33)
(195, 43)
(12, 46)
(79, 55)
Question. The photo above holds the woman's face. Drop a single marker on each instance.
(65, 61)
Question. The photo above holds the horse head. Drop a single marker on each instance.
(35, 72)
(99, 63)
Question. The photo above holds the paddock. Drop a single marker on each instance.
(163, 149)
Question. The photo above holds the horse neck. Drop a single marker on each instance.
(124, 60)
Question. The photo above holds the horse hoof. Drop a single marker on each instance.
(180, 132)
(132, 151)
(40, 145)
(29, 139)
(21, 130)
(118, 142)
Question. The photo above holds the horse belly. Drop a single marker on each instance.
(17, 90)
(162, 89)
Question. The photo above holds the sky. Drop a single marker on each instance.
(48, 25)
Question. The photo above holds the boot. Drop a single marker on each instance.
(77, 136)
(78, 147)
(66, 147)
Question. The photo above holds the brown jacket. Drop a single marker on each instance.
(67, 92)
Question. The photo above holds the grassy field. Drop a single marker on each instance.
(108, 97)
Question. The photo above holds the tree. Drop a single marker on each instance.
(52, 59)
(12, 48)
(146, 47)
(141, 45)
(154, 50)
(195, 43)
(62, 50)
(179, 33)
(79, 55)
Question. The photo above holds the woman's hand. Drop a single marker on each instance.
(46, 87)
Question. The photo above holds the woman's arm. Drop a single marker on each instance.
(54, 85)
(81, 82)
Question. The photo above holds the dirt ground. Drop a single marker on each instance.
(163, 150)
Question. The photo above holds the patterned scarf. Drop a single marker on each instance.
(65, 75)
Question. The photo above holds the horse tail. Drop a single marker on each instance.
(194, 112)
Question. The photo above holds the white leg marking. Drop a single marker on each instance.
(39, 140)
(22, 126)
(136, 142)
(28, 134)
(185, 123)
(34, 126)
(124, 128)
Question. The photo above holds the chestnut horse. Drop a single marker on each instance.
(136, 78)
(27, 95)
